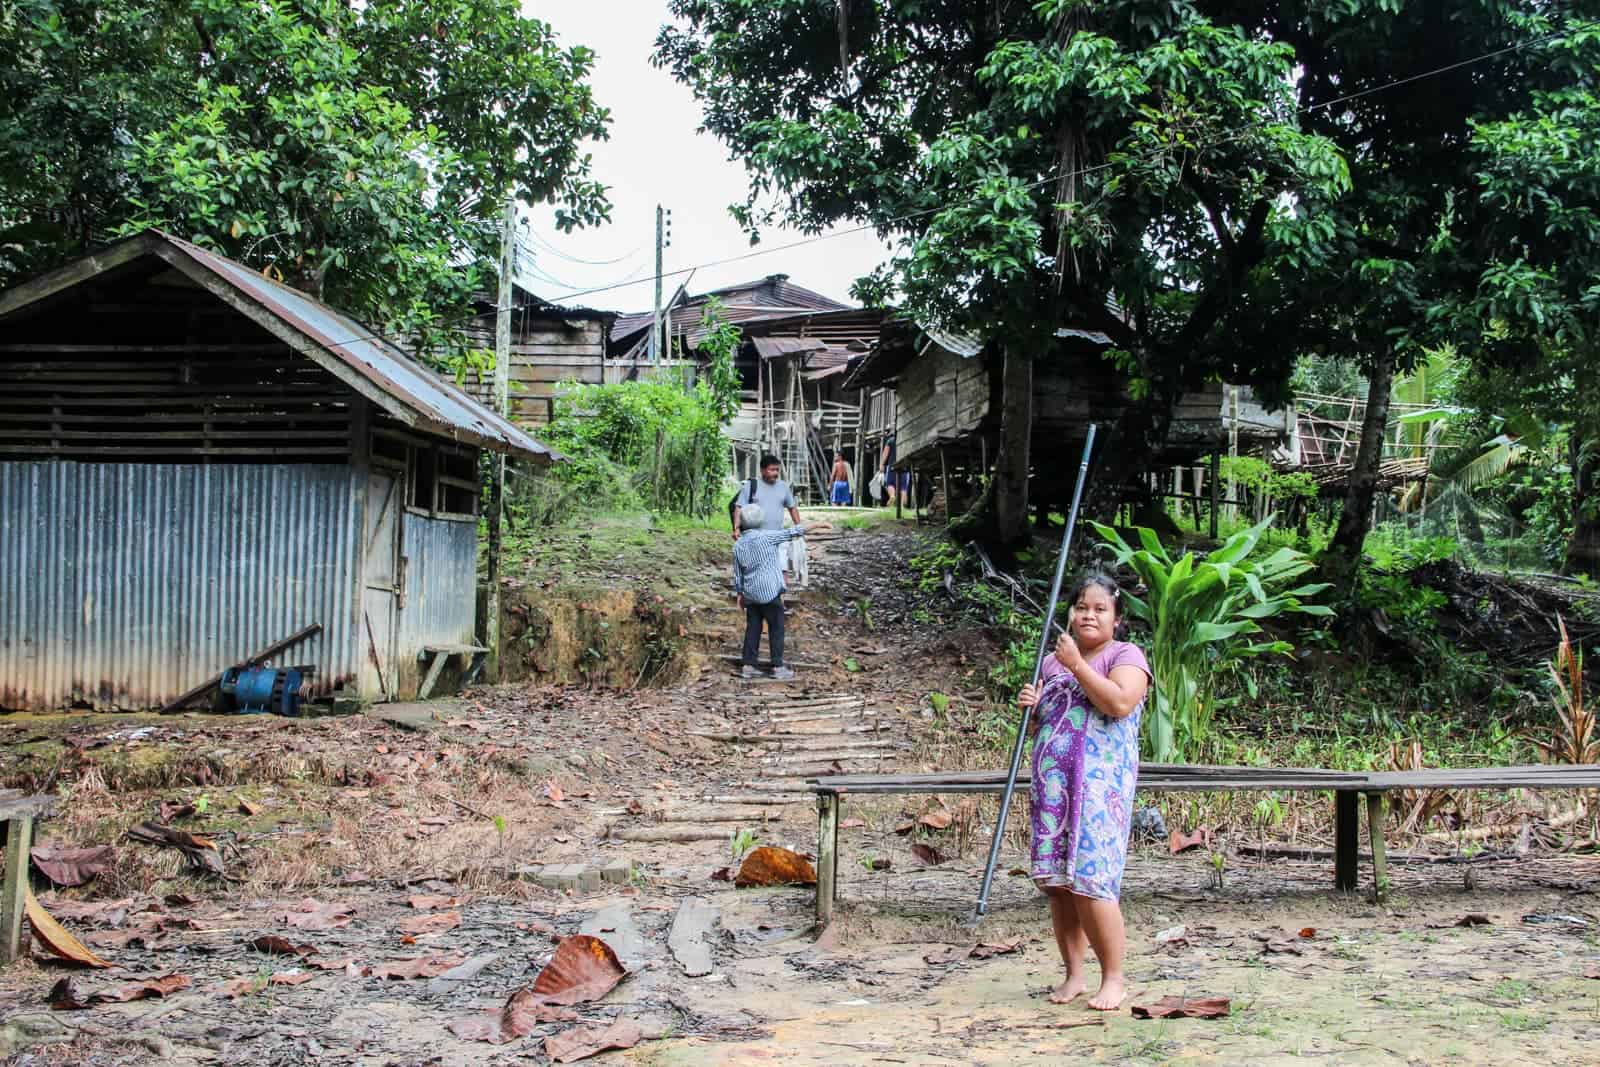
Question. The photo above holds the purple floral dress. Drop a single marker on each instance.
(1085, 766)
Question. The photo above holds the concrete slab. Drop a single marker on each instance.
(690, 939)
(614, 925)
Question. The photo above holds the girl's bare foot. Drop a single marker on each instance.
(1109, 998)
(1068, 991)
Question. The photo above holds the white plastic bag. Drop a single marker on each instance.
(875, 487)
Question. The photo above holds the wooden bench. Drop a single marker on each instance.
(443, 653)
(18, 810)
(1347, 787)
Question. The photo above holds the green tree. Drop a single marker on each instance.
(363, 153)
(1035, 164)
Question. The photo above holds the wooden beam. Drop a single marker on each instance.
(1380, 860)
(13, 897)
(34, 346)
(827, 856)
(1345, 844)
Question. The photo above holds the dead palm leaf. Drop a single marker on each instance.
(1576, 739)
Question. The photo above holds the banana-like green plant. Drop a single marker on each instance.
(1200, 612)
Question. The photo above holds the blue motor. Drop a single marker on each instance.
(259, 690)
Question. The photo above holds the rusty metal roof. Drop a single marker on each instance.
(362, 358)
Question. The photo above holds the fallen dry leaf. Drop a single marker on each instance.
(429, 903)
(247, 808)
(1476, 918)
(585, 1041)
(985, 949)
(434, 923)
(69, 995)
(583, 968)
(1286, 948)
(769, 865)
(168, 810)
(1308, 932)
(311, 915)
(927, 854)
(104, 912)
(274, 945)
(1592, 972)
(180, 900)
(906, 827)
(332, 965)
(73, 866)
(1178, 841)
(852, 824)
(53, 938)
(949, 954)
(420, 967)
(524, 1011)
(1184, 1008)
(937, 820)
(291, 978)
(552, 792)
(879, 863)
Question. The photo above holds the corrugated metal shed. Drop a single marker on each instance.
(122, 585)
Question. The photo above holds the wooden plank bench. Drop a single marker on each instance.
(443, 653)
(18, 810)
(1347, 787)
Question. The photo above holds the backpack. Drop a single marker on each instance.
(733, 505)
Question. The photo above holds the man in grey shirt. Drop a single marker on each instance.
(772, 494)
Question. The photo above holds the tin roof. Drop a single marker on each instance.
(359, 356)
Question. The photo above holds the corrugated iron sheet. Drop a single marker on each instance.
(447, 409)
(123, 585)
(441, 583)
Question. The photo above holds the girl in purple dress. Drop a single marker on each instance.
(1085, 765)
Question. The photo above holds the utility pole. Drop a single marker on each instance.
(661, 333)
(497, 460)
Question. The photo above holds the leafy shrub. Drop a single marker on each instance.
(1198, 614)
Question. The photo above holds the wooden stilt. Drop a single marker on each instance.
(1346, 827)
(19, 839)
(827, 856)
(1376, 810)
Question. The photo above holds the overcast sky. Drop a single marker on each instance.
(656, 156)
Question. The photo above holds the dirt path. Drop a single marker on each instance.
(361, 830)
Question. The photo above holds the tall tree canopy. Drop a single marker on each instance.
(363, 152)
(1037, 164)
(1246, 181)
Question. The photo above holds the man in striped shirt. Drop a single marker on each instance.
(758, 581)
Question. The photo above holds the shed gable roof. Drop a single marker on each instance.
(358, 356)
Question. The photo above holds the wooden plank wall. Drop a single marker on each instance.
(545, 353)
(940, 397)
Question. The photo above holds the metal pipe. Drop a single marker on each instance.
(1038, 669)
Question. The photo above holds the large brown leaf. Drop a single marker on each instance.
(585, 1041)
(520, 1015)
(69, 995)
(432, 903)
(421, 967)
(1184, 1008)
(431, 923)
(54, 939)
(73, 866)
(311, 915)
(583, 968)
(274, 945)
(768, 865)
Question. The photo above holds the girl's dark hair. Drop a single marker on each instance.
(1107, 585)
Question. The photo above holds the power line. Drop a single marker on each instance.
(586, 262)
(1055, 176)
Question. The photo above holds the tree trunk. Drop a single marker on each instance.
(1343, 555)
(1012, 461)
(1583, 551)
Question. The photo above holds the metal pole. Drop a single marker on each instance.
(1038, 668)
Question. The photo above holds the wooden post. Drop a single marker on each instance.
(1376, 810)
(1346, 832)
(858, 491)
(1216, 470)
(827, 856)
(497, 461)
(19, 839)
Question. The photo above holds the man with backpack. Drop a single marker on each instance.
(770, 492)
